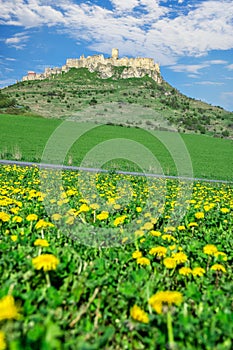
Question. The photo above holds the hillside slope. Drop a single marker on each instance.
(134, 101)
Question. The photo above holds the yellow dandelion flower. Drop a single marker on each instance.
(119, 221)
(199, 215)
(8, 309)
(117, 206)
(4, 217)
(148, 226)
(43, 224)
(169, 228)
(180, 257)
(14, 238)
(143, 261)
(169, 263)
(158, 251)
(32, 217)
(138, 209)
(155, 233)
(138, 314)
(56, 217)
(198, 271)
(2, 341)
(221, 255)
(165, 297)
(84, 208)
(218, 267)
(102, 216)
(17, 219)
(125, 239)
(225, 210)
(172, 247)
(41, 242)
(46, 262)
(192, 224)
(181, 228)
(94, 206)
(139, 233)
(142, 240)
(210, 249)
(168, 238)
(70, 220)
(185, 271)
(137, 254)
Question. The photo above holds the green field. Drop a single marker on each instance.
(25, 138)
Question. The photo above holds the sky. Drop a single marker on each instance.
(192, 40)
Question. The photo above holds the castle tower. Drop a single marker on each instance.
(115, 54)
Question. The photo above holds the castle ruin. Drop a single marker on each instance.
(133, 67)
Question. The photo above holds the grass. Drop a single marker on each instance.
(25, 138)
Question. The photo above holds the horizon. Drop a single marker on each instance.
(191, 40)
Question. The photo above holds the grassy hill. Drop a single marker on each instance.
(133, 102)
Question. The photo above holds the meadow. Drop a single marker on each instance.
(108, 261)
(25, 138)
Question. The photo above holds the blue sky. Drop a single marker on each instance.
(192, 40)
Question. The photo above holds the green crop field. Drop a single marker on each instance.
(25, 138)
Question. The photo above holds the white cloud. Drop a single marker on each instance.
(192, 68)
(230, 67)
(158, 31)
(17, 41)
(209, 83)
(216, 62)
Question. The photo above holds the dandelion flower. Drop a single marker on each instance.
(32, 217)
(8, 309)
(185, 271)
(210, 249)
(225, 210)
(119, 221)
(169, 263)
(46, 262)
(218, 267)
(165, 297)
(181, 228)
(17, 219)
(143, 261)
(56, 217)
(138, 314)
(84, 208)
(198, 271)
(102, 216)
(221, 255)
(158, 251)
(199, 215)
(4, 216)
(155, 233)
(41, 242)
(137, 254)
(192, 224)
(168, 238)
(180, 257)
(43, 224)
(14, 238)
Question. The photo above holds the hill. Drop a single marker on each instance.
(141, 102)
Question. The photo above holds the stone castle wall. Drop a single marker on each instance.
(133, 67)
